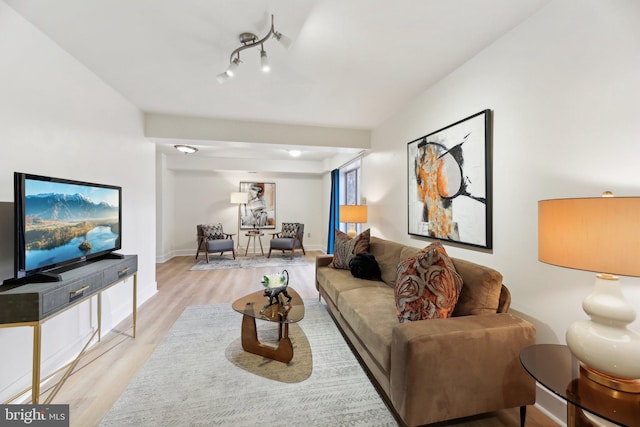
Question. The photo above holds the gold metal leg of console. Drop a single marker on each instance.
(37, 352)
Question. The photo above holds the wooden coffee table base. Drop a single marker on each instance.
(283, 352)
(253, 307)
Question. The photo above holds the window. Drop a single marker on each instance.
(350, 188)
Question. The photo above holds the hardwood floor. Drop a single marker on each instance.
(108, 367)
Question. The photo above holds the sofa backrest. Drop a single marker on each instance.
(387, 254)
(482, 291)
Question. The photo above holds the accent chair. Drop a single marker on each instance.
(289, 239)
(213, 239)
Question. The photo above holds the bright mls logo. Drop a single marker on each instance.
(34, 415)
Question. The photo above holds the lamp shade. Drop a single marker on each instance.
(600, 234)
(239, 198)
(353, 213)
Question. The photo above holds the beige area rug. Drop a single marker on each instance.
(226, 262)
(200, 376)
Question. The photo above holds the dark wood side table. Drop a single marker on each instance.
(558, 370)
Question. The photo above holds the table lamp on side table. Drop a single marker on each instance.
(238, 198)
(353, 214)
(602, 235)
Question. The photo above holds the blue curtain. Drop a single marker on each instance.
(334, 209)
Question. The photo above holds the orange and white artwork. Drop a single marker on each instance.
(449, 183)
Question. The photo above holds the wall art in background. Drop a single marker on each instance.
(260, 211)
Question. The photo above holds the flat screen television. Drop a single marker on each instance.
(61, 222)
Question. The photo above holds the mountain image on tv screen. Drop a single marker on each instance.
(66, 221)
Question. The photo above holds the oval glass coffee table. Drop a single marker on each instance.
(252, 307)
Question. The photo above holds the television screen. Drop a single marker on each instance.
(61, 221)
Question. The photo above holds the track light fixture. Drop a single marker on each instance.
(250, 40)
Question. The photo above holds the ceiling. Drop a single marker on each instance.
(352, 64)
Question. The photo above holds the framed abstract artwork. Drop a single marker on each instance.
(449, 183)
(260, 211)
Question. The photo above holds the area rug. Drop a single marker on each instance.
(200, 376)
(217, 262)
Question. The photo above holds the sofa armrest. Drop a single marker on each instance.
(449, 368)
(323, 260)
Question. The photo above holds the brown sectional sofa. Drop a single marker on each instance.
(439, 369)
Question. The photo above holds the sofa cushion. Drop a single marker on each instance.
(427, 286)
(220, 245)
(336, 281)
(346, 247)
(387, 254)
(409, 251)
(370, 313)
(481, 291)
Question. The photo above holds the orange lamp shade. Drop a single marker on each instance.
(599, 234)
(353, 213)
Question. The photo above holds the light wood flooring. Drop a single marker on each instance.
(105, 371)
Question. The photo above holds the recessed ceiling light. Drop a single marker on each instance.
(186, 149)
(295, 153)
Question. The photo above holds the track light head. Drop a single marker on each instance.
(264, 61)
(284, 40)
(231, 71)
(222, 77)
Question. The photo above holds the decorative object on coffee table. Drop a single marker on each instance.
(275, 287)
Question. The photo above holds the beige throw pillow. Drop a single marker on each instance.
(345, 248)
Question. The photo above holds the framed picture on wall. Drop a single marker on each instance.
(449, 183)
(260, 211)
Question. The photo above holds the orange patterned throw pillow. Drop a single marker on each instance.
(427, 285)
(345, 248)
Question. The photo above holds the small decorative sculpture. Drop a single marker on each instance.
(275, 287)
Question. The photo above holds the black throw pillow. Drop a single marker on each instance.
(365, 266)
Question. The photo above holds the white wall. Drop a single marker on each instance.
(165, 203)
(565, 92)
(59, 119)
(200, 197)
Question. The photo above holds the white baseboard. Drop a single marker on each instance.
(551, 405)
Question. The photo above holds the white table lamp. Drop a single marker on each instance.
(601, 235)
